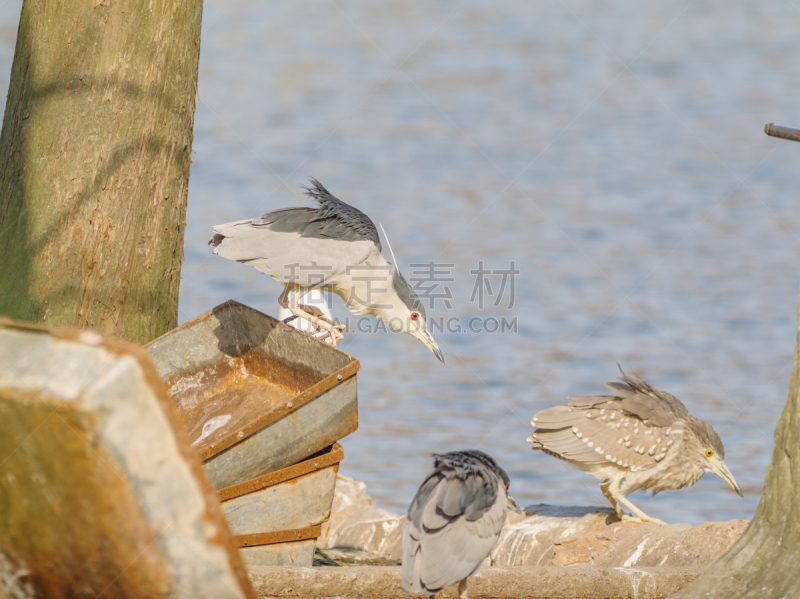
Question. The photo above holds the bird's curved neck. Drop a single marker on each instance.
(368, 289)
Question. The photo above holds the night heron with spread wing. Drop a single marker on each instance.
(454, 521)
(638, 438)
(332, 248)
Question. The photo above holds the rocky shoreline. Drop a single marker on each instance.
(549, 551)
(545, 535)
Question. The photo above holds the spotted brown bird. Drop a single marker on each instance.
(638, 438)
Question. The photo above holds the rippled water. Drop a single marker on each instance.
(613, 151)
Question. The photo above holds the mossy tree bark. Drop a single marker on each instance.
(765, 561)
(94, 164)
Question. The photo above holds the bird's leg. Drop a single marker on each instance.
(313, 310)
(283, 301)
(298, 311)
(462, 589)
(332, 329)
(613, 490)
(329, 334)
(620, 514)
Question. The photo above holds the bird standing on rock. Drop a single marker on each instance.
(639, 438)
(333, 248)
(454, 521)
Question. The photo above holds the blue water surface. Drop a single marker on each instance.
(613, 151)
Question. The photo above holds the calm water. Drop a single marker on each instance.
(613, 152)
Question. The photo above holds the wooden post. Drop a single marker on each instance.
(94, 164)
(782, 132)
(765, 561)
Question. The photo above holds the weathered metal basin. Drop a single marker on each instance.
(276, 518)
(255, 394)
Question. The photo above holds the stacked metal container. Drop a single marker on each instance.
(264, 405)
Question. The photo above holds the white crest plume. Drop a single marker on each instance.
(386, 237)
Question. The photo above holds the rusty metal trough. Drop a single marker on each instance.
(276, 518)
(263, 404)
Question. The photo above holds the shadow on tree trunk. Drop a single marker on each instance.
(94, 165)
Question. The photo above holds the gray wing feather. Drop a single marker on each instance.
(288, 220)
(287, 256)
(452, 524)
(452, 495)
(334, 219)
(306, 223)
(432, 517)
(305, 246)
(358, 225)
(478, 497)
(433, 560)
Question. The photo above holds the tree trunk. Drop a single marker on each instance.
(94, 164)
(765, 561)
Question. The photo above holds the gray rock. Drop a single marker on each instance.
(535, 539)
(545, 535)
(678, 545)
(103, 493)
(357, 523)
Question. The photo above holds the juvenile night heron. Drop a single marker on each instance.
(333, 248)
(454, 521)
(639, 438)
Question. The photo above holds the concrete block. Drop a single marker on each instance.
(384, 582)
(101, 493)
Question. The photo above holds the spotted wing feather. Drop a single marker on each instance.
(595, 435)
(622, 440)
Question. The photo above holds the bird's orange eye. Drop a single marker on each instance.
(709, 453)
(415, 316)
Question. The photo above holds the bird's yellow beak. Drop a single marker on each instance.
(424, 336)
(719, 468)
